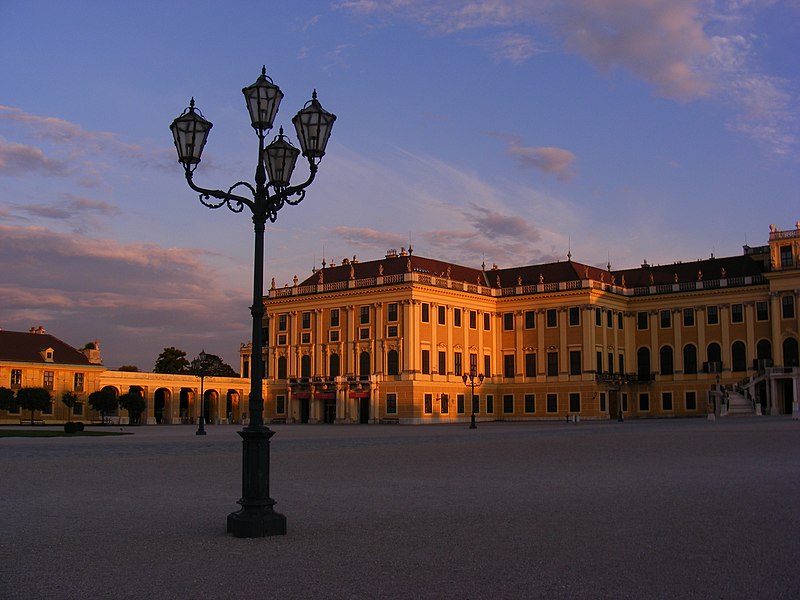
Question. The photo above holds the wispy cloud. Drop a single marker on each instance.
(22, 158)
(549, 160)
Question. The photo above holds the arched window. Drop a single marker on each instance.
(690, 359)
(334, 366)
(666, 359)
(305, 366)
(281, 367)
(393, 363)
(764, 350)
(738, 356)
(714, 358)
(643, 363)
(364, 364)
(790, 358)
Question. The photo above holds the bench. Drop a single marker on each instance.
(390, 421)
(278, 421)
(29, 422)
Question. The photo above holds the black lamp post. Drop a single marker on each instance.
(469, 380)
(257, 517)
(199, 368)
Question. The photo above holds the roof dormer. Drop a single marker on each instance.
(47, 354)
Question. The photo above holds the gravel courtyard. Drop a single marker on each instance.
(641, 509)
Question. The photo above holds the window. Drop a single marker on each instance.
(305, 320)
(665, 319)
(530, 319)
(473, 363)
(609, 319)
(610, 362)
(644, 402)
(552, 364)
(333, 336)
(428, 404)
(281, 367)
(641, 320)
(363, 333)
(364, 364)
(530, 403)
(460, 403)
(552, 403)
(786, 256)
(393, 362)
(598, 317)
(690, 359)
(489, 404)
(305, 366)
(508, 403)
(282, 339)
(620, 320)
(530, 364)
(444, 401)
(688, 317)
(762, 311)
(47, 380)
(458, 357)
(574, 362)
(305, 337)
(602, 402)
(712, 315)
(714, 357)
(551, 317)
(599, 362)
(48, 410)
(574, 402)
(334, 365)
(738, 356)
(391, 311)
(77, 381)
(245, 368)
(391, 404)
(787, 307)
(691, 400)
(666, 401)
(621, 363)
(508, 321)
(334, 317)
(282, 323)
(426, 312)
(426, 362)
(624, 402)
(508, 366)
(364, 315)
(574, 316)
(442, 362)
(442, 314)
(280, 404)
(666, 358)
(456, 317)
(473, 319)
(643, 364)
(391, 331)
(77, 409)
(487, 323)
(487, 365)
(737, 313)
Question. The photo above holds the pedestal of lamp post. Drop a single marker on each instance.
(257, 517)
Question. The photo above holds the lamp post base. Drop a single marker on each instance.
(257, 517)
(201, 429)
(472, 424)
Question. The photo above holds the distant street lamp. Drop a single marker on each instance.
(471, 377)
(257, 517)
(199, 369)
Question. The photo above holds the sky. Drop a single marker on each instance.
(508, 132)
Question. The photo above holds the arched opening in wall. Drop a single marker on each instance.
(666, 360)
(364, 364)
(334, 365)
(232, 406)
(281, 367)
(115, 391)
(160, 400)
(183, 404)
(305, 366)
(738, 356)
(763, 354)
(643, 364)
(790, 354)
(136, 418)
(714, 358)
(393, 362)
(690, 359)
(210, 406)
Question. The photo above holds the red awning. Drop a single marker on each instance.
(359, 394)
(326, 395)
(302, 395)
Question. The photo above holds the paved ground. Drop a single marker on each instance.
(659, 509)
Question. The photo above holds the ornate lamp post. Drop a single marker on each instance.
(199, 368)
(257, 517)
(469, 380)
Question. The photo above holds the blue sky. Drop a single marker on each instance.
(509, 131)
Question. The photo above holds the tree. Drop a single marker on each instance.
(103, 401)
(172, 360)
(134, 404)
(69, 399)
(33, 399)
(7, 399)
(129, 368)
(214, 366)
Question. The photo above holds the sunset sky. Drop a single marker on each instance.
(510, 131)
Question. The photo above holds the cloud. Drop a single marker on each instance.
(548, 160)
(22, 158)
(512, 47)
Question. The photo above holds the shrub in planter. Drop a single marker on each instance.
(70, 427)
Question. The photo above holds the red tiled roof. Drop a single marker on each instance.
(21, 346)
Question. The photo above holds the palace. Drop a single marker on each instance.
(396, 339)
(409, 339)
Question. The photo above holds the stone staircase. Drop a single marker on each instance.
(738, 404)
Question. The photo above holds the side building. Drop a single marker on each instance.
(392, 340)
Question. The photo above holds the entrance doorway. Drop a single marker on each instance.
(363, 413)
(304, 410)
(613, 404)
(788, 396)
(329, 411)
